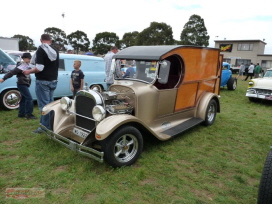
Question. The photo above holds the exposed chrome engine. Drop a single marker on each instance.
(114, 105)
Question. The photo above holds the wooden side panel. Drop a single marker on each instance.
(186, 96)
(219, 73)
(202, 72)
(200, 63)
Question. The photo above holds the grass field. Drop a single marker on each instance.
(217, 164)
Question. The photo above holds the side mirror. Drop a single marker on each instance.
(164, 71)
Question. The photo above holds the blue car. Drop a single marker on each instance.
(226, 78)
(92, 67)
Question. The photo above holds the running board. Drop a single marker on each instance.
(182, 127)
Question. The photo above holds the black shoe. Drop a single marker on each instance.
(38, 131)
(21, 116)
(30, 117)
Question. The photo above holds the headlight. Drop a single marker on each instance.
(98, 112)
(65, 103)
(250, 83)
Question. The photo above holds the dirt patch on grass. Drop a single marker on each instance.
(90, 197)
(11, 142)
(149, 181)
(59, 191)
(61, 168)
(203, 194)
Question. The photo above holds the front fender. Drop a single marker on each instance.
(108, 125)
(62, 119)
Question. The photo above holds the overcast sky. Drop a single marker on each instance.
(230, 19)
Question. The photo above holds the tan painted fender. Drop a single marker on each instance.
(204, 102)
(62, 118)
(109, 124)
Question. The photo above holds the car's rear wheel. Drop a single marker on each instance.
(232, 83)
(96, 88)
(123, 147)
(265, 188)
(10, 99)
(210, 113)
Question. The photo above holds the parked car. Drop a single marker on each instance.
(169, 94)
(93, 68)
(260, 88)
(227, 79)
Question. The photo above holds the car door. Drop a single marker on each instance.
(63, 87)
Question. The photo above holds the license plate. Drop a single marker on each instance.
(80, 133)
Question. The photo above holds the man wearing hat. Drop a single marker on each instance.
(23, 83)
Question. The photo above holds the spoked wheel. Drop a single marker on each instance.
(123, 147)
(10, 99)
(210, 113)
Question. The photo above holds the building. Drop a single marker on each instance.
(9, 43)
(244, 51)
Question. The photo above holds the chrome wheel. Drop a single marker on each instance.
(234, 84)
(123, 147)
(211, 113)
(10, 99)
(126, 147)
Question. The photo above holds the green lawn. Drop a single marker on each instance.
(217, 164)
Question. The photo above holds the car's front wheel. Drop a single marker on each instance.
(232, 83)
(10, 99)
(123, 147)
(210, 113)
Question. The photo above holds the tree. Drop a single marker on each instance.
(129, 39)
(194, 32)
(79, 41)
(104, 41)
(58, 37)
(25, 43)
(156, 34)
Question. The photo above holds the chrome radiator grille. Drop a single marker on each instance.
(84, 106)
(263, 91)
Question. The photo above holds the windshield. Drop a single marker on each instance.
(16, 58)
(6, 62)
(268, 73)
(142, 70)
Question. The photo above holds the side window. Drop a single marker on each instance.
(61, 65)
(175, 74)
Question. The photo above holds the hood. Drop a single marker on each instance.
(5, 59)
(263, 83)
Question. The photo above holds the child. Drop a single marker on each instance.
(23, 83)
(77, 78)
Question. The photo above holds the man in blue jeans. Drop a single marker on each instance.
(46, 60)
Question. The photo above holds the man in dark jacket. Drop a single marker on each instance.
(46, 61)
(23, 83)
